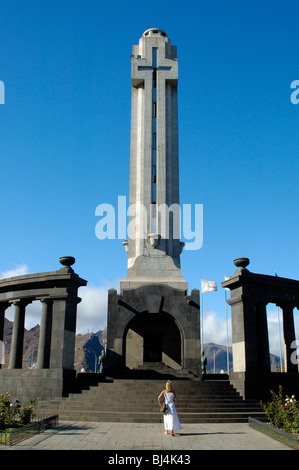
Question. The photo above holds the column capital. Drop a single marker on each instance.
(286, 305)
(21, 302)
(46, 300)
(4, 305)
(243, 299)
(262, 302)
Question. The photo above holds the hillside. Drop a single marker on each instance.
(221, 358)
(86, 347)
(89, 346)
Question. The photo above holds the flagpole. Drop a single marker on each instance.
(279, 338)
(279, 333)
(201, 310)
(206, 286)
(227, 355)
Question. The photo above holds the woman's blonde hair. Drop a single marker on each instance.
(168, 386)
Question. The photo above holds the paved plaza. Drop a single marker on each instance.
(144, 436)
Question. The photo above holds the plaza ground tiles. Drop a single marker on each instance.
(79, 435)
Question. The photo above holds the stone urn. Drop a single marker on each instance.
(67, 262)
(241, 263)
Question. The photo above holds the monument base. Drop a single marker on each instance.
(256, 386)
(154, 324)
(157, 269)
(25, 384)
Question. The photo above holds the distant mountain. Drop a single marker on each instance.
(30, 349)
(88, 348)
(216, 355)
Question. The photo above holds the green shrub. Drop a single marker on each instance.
(13, 414)
(27, 411)
(283, 412)
(6, 411)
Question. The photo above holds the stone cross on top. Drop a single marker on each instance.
(154, 66)
(154, 55)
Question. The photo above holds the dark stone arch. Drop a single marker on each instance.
(153, 337)
(154, 310)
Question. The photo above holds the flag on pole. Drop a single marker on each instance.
(208, 286)
(2, 353)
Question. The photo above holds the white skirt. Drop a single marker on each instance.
(171, 419)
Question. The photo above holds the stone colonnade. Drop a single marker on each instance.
(57, 291)
(250, 294)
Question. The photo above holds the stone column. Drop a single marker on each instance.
(244, 339)
(262, 337)
(43, 358)
(289, 336)
(63, 333)
(16, 352)
(3, 307)
(117, 320)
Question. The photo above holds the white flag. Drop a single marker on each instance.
(2, 353)
(208, 286)
(226, 279)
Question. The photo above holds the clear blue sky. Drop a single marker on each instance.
(65, 132)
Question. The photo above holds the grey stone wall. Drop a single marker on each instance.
(157, 310)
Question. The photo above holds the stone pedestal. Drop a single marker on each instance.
(250, 294)
(154, 324)
(58, 292)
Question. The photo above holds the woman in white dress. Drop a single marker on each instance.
(171, 420)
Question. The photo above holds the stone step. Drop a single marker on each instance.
(113, 403)
(155, 417)
(178, 387)
(135, 400)
(161, 386)
(180, 411)
(178, 382)
(153, 397)
(112, 400)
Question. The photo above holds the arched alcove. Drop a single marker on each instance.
(152, 337)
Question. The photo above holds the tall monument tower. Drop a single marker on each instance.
(153, 319)
(154, 244)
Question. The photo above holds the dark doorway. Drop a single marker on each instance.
(152, 346)
(152, 337)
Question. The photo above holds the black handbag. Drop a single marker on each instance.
(164, 409)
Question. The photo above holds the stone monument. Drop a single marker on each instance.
(250, 294)
(152, 318)
(57, 294)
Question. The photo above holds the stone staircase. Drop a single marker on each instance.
(133, 398)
